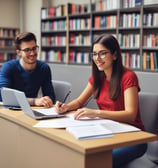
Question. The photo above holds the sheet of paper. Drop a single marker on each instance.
(119, 127)
(89, 132)
(70, 122)
(46, 111)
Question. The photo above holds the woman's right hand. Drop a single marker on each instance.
(61, 107)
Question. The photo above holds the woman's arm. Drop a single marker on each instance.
(126, 115)
(76, 103)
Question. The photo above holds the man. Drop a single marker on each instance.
(28, 74)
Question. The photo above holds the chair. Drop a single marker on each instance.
(62, 90)
(148, 103)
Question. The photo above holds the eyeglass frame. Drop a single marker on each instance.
(29, 50)
(101, 54)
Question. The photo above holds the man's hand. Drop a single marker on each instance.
(45, 101)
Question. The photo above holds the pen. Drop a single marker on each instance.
(65, 97)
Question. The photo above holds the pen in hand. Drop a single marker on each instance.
(65, 98)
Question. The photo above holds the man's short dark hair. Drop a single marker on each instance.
(24, 37)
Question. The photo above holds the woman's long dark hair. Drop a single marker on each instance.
(111, 43)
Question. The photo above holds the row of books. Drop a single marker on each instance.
(150, 40)
(126, 21)
(129, 40)
(150, 2)
(150, 60)
(150, 19)
(64, 9)
(99, 5)
(105, 21)
(7, 56)
(79, 39)
(77, 24)
(103, 5)
(54, 11)
(78, 8)
(7, 33)
(79, 57)
(129, 20)
(131, 60)
(72, 8)
(131, 3)
(54, 41)
(53, 25)
(6, 43)
(53, 56)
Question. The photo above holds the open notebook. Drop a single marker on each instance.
(44, 113)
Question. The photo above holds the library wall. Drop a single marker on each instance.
(31, 17)
(9, 13)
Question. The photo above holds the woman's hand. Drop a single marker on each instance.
(85, 112)
(45, 101)
(61, 107)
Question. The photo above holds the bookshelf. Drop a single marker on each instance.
(7, 49)
(150, 37)
(133, 22)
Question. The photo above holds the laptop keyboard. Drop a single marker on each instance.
(36, 113)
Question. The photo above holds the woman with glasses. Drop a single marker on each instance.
(28, 74)
(115, 89)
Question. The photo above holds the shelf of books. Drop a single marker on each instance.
(53, 34)
(67, 31)
(150, 37)
(7, 48)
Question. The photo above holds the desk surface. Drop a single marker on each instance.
(82, 146)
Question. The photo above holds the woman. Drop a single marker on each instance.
(115, 89)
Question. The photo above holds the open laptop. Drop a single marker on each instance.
(34, 113)
(9, 99)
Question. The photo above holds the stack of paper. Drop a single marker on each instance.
(89, 132)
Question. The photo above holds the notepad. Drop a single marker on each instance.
(89, 132)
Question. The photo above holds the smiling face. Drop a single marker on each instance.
(28, 52)
(102, 57)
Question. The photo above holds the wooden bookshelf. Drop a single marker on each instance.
(132, 22)
(7, 48)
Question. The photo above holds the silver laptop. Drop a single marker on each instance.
(25, 106)
(9, 99)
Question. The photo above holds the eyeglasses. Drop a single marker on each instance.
(101, 54)
(29, 50)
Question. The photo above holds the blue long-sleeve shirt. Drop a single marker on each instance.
(14, 76)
